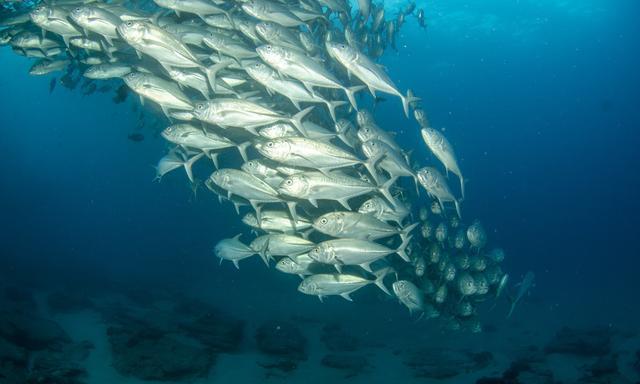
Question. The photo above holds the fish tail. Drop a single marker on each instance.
(242, 148)
(402, 249)
(212, 71)
(332, 105)
(457, 203)
(380, 275)
(406, 230)
(296, 120)
(189, 164)
(407, 101)
(351, 94)
(384, 190)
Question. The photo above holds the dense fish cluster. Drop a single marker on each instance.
(330, 194)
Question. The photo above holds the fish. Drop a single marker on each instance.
(296, 64)
(121, 94)
(277, 221)
(200, 8)
(357, 225)
(384, 211)
(266, 10)
(164, 93)
(293, 90)
(242, 184)
(314, 186)
(46, 66)
(205, 140)
(421, 19)
(232, 250)
(136, 137)
(409, 295)
(243, 114)
(362, 67)
(89, 89)
(476, 235)
(436, 186)
(341, 252)
(281, 245)
(523, 287)
(307, 153)
(281, 83)
(343, 285)
(149, 39)
(297, 266)
(54, 19)
(107, 71)
(442, 149)
(96, 20)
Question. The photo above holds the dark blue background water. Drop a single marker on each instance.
(540, 99)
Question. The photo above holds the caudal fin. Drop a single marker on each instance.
(380, 275)
(351, 94)
(242, 148)
(407, 101)
(189, 163)
(384, 190)
(457, 203)
(406, 230)
(401, 251)
(296, 120)
(212, 71)
(332, 105)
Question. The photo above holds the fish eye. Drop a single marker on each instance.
(270, 144)
(129, 24)
(323, 221)
(289, 181)
(200, 107)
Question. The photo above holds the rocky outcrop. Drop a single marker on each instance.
(176, 344)
(282, 339)
(351, 364)
(441, 364)
(592, 342)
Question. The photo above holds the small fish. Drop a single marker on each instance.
(136, 137)
(121, 94)
(52, 84)
(523, 288)
(105, 88)
(421, 20)
(89, 89)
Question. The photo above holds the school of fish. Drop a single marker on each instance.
(276, 97)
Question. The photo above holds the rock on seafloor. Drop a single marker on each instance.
(150, 354)
(181, 343)
(282, 339)
(68, 301)
(31, 331)
(337, 339)
(434, 363)
(589, 342)
(351, 364)
(34, 349)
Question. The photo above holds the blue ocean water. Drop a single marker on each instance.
(541, 100)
